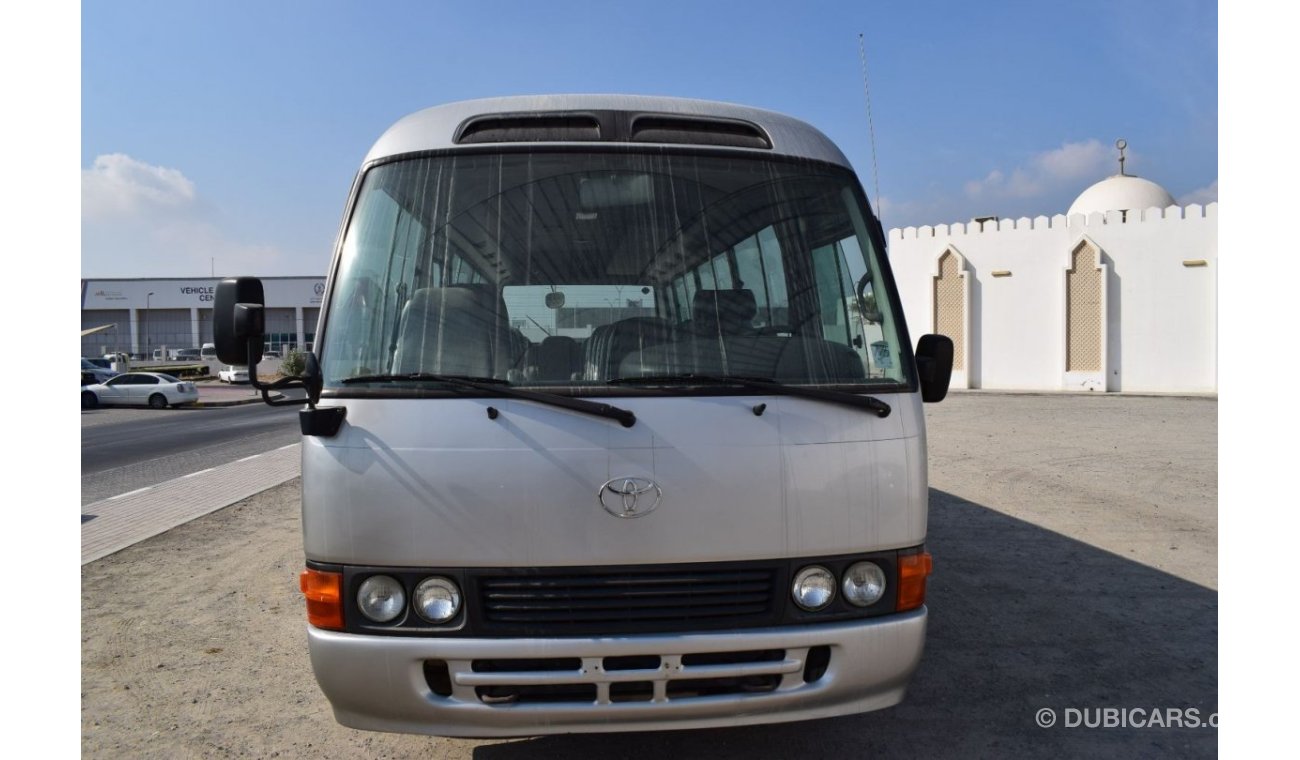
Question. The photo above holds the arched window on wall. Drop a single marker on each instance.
(1085, 326)
(949, 299)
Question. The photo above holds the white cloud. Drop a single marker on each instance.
(934, 210)
(888, 208)
(1073, 161)
(118, 185)
(1045, 174)
(1045, 183)
(141, 220)
(1204, 195)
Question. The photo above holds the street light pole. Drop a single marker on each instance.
(148, 344)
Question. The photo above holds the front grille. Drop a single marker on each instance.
(536, 693)
(625, 600)
(656, 678)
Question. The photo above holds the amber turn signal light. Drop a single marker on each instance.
(913, 569)
(324, 592)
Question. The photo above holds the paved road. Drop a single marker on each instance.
(123, 449)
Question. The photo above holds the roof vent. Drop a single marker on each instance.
(552, 127)
(676, 129)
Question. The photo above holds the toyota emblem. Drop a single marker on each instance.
(630, 497)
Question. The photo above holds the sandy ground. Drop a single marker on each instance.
(1075, 544)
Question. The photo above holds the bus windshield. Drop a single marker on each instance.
(574, 270)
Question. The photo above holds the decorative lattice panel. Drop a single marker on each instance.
(1083, 311)
(950, 307)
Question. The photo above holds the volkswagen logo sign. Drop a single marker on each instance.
(630, 497)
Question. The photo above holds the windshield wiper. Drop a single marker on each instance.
(498, 387)
(424, 377)
(764, 384)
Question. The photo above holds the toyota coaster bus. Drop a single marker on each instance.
(613, 424)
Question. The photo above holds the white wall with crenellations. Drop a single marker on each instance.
(1159, 295)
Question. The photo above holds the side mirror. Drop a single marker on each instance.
(239, 321)
(934, 366)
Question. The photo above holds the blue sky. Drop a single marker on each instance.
(231, 131)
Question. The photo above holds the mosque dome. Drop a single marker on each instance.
(1122, 192)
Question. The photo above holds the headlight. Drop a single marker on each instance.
(381, 598)
(437, 599)
(864, 584)
(814, 588)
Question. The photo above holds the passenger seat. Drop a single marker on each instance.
(723, 312)
(455, 331)
(558, 358)
(608, 344)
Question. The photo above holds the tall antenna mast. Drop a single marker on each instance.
(866, 90)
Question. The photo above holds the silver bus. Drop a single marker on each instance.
(613, 423)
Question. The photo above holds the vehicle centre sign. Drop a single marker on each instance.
(199, 293)
(204, 292)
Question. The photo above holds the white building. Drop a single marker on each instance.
(148, 314)
(1119, 294)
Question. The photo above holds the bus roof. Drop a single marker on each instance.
(593, 119)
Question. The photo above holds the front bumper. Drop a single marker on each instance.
(378, 683)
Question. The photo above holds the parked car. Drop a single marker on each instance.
(88, 398)
(189, 355)
(104, 363)
(152, 389)
(232, 374)
(101, 374)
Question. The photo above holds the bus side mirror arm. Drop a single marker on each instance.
(238, 333)
(317, 421)
(249, 325)
(323, 422)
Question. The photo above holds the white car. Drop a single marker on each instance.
(152, 389)
(231, 374)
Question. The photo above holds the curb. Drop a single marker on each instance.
(112, 524)
(235, 402)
